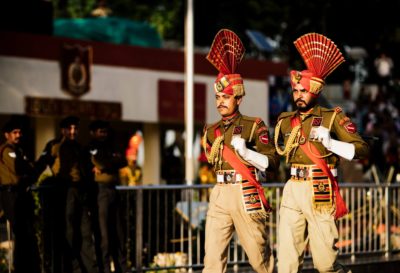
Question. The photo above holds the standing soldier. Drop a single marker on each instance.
(106, 162)
(237, 146)
(16, 175)
(311, 199)
(65, 158)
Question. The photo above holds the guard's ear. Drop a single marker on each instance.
(239, 100)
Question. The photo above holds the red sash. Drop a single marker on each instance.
(239, 167)
(341, 208)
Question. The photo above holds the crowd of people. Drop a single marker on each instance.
(81, 227)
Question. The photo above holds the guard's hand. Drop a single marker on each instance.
(96, 170)
(239, 145)
(322, 134)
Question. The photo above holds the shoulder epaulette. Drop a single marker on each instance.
(338, 109)
(2, 148)
(286, 114)
(206, 127)
(253, 119)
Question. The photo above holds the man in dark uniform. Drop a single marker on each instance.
(311, 199)
(65, 158)
(238, 147)
(16, 175)
(106, 161)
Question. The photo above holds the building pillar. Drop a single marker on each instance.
(152, 154)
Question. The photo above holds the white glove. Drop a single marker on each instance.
(322, 134)
(239, 145)
(258, 160)
(341, 148)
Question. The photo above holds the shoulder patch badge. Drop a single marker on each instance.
(264, 138)
(350, 127)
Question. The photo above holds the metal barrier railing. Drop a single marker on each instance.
(165, 224)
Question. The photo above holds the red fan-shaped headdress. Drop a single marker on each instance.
(225, 54)
(321, 56)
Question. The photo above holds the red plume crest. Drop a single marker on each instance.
(319, 53)
(226, 51)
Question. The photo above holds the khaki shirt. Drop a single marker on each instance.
(65, 158)
(14, 166)
(342, 129)
(255, 133)
(108, 161)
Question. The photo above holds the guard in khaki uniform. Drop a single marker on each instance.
(16, 176)
(237, 146)
(106, 161)
(68, 218)
(311, 199)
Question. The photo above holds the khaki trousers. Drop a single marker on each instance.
(300, 224)
(225, 215)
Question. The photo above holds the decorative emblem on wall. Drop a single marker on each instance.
(76, 61)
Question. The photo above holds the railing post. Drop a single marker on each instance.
(388, 246)
(190, 235)
(353, 224)
(139, 230)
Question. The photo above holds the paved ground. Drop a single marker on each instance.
(372, 264)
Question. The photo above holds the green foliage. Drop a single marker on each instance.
(164, 19)
(164, 15)
(340, 20)
(73, 8)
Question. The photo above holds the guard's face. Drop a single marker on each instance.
(100, 134)
(227, 104)
(303, 99)
(14, 136)
(70, 132)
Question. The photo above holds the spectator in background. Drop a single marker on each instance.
(131, 174)
(106, 161)
(16, 175)
(384, 66)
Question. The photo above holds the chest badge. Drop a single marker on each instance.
(316, 121)
(237, 130)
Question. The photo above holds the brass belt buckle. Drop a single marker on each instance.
(301, 173)
(229, 177)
